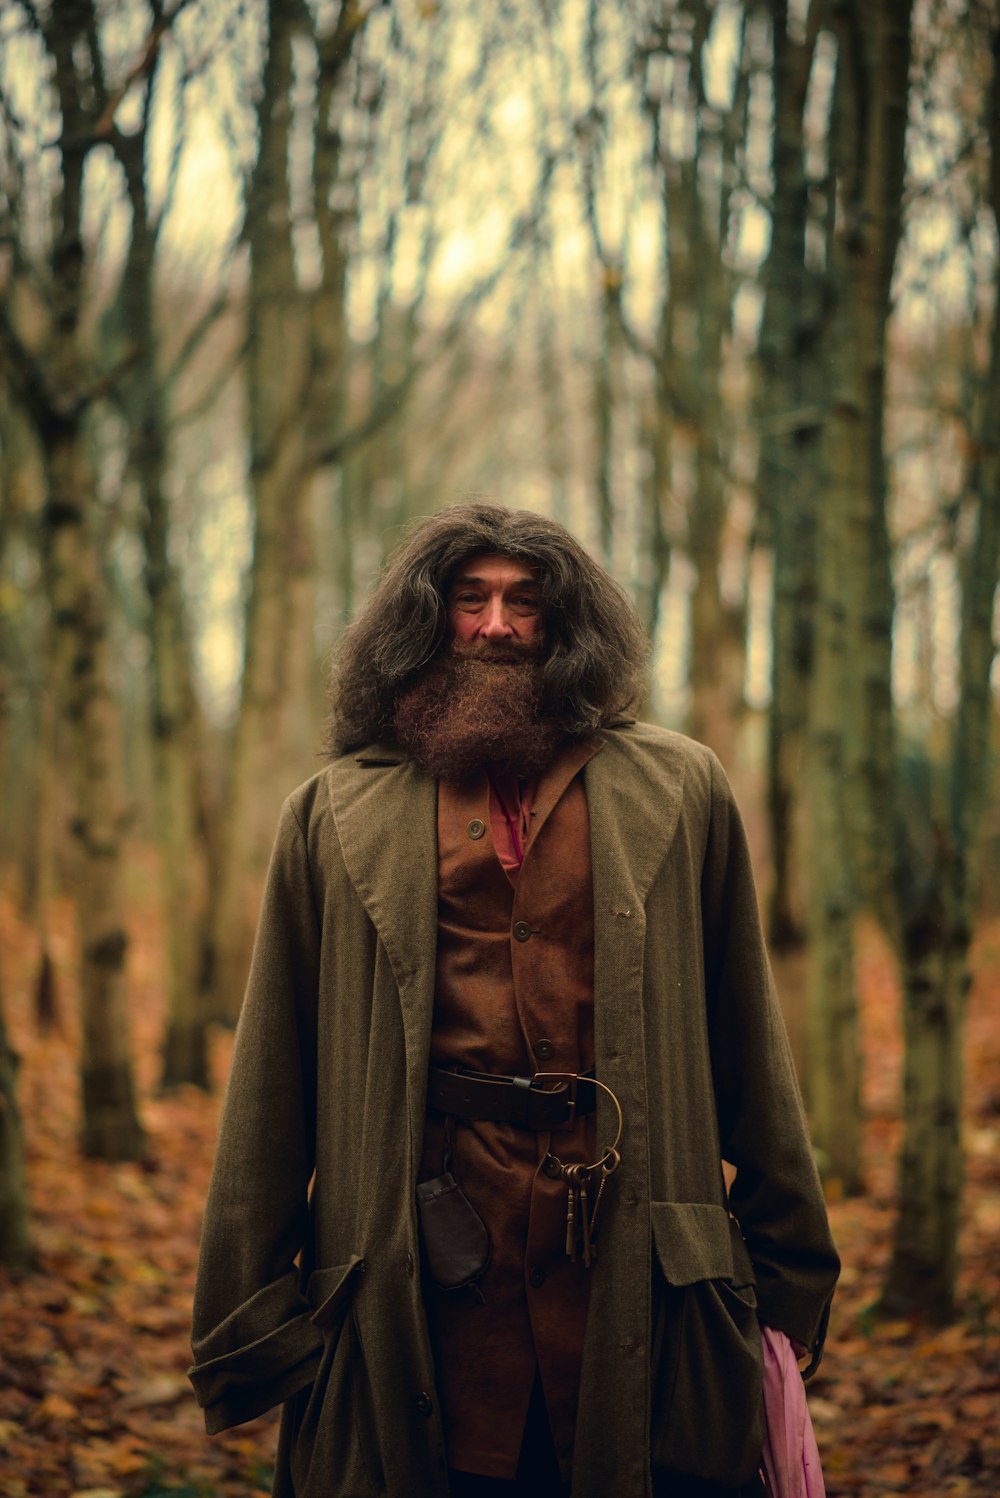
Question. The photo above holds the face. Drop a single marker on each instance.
(494, 598)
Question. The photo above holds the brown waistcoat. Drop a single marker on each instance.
(515, 994)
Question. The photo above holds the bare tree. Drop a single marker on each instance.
(851, 726)
(939, 827)
(696, 149)
(790, 403)
(175, 711)
(58, 390)
(287, 374)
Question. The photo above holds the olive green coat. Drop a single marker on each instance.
(328, 1084)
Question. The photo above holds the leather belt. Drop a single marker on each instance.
(518, 1100)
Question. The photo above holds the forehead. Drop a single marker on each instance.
(492, 568)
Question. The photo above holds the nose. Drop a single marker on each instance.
(494, 624)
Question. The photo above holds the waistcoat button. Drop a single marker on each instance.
(544, 1050)
(536, 1278)
(476, 827)
(425, 1404)
(522, 931)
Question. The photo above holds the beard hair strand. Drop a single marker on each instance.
(477, 705)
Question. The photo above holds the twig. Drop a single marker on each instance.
(141, 68)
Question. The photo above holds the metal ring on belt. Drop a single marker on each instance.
(518, 1100)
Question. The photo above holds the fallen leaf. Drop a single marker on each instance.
(165, 1390)
(55, 1407)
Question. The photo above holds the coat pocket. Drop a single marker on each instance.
(329, 1290)
(330, 1429)
(707, 1358)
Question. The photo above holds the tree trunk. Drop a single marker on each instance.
(174, 707)
(15, 1242)
(291, 369)
(853, 827)
(788, 403)
(15, 1246)
(607, 376)
(654, 558)
(833, 1043)
(935, 950)
(936, 890)
(867, 143)
(48, 1016)
(937, 917)
(277, 374)
(79, 602)
(550, 379)
(694, 327)
(111, 1128)
(335, 211)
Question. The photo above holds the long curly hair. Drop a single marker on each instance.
(594, 654)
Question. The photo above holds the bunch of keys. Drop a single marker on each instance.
(581, 1218)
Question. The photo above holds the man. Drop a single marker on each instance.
(509, 1011)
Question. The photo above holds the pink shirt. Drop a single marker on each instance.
(511, 803)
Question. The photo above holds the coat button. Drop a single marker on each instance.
(522, 931)
(544, 1050)
(536, 1278)
(409, 1264)
(476, 827)
(425, 1404)
(551, 1168)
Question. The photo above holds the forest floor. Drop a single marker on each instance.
(94, 1343)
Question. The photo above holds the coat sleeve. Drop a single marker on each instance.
(253, 1342)
(776, 1196)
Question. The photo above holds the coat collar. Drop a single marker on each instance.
(384, 807)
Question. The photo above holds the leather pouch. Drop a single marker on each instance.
(456, 1244)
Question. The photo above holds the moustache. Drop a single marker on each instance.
(496, 652)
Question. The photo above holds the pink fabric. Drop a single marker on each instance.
(790, 1456)
(511, 803)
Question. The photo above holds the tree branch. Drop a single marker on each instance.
(196, 335)
(388, 402)
(142, 68)
(29, 378)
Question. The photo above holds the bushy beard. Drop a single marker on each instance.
(477, 704)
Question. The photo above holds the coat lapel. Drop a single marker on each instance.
(635, 788)
(385, 810)
(634, 795)
(634, 792)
